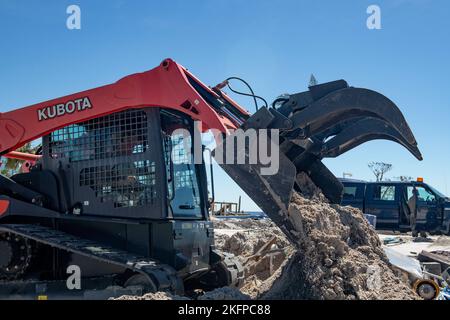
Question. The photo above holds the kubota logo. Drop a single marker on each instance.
(64, 108)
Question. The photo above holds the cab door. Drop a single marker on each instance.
(186, 193)
(382, 200)
(428, 214)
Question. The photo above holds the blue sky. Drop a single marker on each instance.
(274, 45)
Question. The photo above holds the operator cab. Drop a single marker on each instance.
(137, 163)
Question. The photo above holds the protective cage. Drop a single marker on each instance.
(110, 165)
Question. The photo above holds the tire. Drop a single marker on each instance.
(426, 289)
(15, 256)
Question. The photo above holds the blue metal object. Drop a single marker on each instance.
(372, 219)
(444, 294)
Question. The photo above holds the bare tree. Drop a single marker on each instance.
(379, 169)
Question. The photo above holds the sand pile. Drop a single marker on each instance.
(251, 236)
(261, 247)
(153, 296)
(337, 253)
(225, 293)
(339, 256)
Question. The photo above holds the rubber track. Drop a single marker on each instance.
(163, 276)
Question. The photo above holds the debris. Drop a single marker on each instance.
(443, 254)
(337, 255)
(392, 240)
(432, 268)
(153, 296)
(225, 293)
(372, 219)
(436, 256)
(261, 247)
(442, 241)
(444, 294)
(422, 239)
(404, 263)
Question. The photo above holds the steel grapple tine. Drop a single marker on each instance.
(350, 103)
(311, 164)
(362, 131)
(272, 193)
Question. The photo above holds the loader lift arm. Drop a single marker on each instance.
(169, 85)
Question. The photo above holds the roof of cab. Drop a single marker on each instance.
(344, 180)
(351, 180)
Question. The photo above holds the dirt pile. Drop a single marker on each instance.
(250, 237)
(339, 256)
(153, 296)
(225, 293)
(261, 247)
(247, 239)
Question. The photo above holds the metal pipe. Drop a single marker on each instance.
(22, 156)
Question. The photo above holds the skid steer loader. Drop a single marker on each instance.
(114, 191)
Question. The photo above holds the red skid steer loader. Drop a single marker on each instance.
(114, 189)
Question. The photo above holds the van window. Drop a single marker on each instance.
(384, 193)
(350, 193)
(423, 194)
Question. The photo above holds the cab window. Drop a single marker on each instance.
(422, 194)
(350, 193)
(182, 180)
(384, 193)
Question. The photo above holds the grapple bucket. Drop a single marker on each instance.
(325, 121)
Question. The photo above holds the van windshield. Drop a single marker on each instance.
(439, 194)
